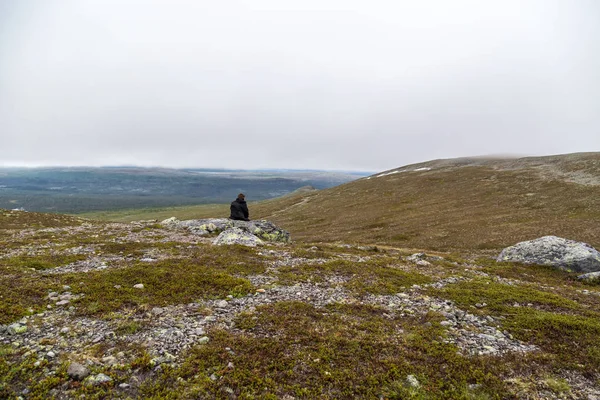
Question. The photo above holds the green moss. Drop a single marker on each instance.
(561, 327)
(573, 340)
(128, 328)
(377, 276)
(557, 385)
(341, 351)
(23, 292)
(40, 262)
(166, 282)
(16, 371)
(137, 248)
(498, 296)
(528, 273)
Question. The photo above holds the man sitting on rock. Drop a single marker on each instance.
(239, 209)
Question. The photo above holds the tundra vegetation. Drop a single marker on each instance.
(363, 309)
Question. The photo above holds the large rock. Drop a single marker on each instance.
(264, 230)
(237, 236)
(554, 251)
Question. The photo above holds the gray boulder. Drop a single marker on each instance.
(560, 253)
(237, 236)
(264, 230)
(77, 371)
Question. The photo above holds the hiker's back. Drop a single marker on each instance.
(239, 209)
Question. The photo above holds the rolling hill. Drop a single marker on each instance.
(467, 203)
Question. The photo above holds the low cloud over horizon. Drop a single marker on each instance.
(339, 85)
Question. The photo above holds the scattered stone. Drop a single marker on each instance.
(199, 331)
(416, 257)
(77, 371)
(222, 304)
(117, 286)
(109, 360)
(124, 386)
(50, 354)
(203, 340)
(157, 311)
(556, 252)
(412, 381)
(62, 302)
(139, 286)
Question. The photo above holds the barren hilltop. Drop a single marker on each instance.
(389, 289)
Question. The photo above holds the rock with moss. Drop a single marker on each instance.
(96, 380)
(16, 329)
(264, 230)
(237, 236)
(554, 251)
(590, 277)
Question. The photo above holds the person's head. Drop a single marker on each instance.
(241, 196)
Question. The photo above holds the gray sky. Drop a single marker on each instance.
(361, 85)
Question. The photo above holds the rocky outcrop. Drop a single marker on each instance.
(263, 230)
(237, 236)
(554, 251)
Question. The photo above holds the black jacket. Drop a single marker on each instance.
(239, 210)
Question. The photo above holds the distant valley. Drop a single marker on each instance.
(83, 189)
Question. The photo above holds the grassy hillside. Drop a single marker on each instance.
(453, 204)
(181, 212)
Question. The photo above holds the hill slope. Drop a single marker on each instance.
(469, 203)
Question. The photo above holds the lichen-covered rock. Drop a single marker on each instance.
(237, 236)
(170, 221)
(96, 380)
(554, 251)
(264, 230)
(16, 329)
(590, 277)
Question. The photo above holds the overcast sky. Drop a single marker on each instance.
(327, 84)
